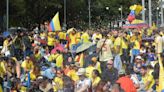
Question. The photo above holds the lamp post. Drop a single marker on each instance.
(65, 18)
(143, 11)
(89, 11)
(162, 21)
(120, 9)
(157, 16)
(150, 13)
(7, 15)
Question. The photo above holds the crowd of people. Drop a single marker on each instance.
(120, 60)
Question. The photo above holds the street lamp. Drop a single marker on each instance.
(162, 18)
(150, 13)
(120, 9)
(7, 15)
(65, 21)
(89, 11)
(143, 12)
(157, 16)
(107, 8)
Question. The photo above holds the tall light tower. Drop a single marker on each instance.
(150, 13)
(7, 15)
(65, 18)
(162, 19)
(143, 11)
(89, 8)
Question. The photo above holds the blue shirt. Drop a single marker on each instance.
(48, 73)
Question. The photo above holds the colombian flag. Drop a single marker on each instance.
(161, 75)
(55, 24)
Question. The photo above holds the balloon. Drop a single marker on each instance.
(133, 7)
(130, 18)
(138, 9)
(132, 12)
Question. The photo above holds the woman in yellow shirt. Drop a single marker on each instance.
(34, 73)
(95, 78)
(58, 81)
(73, 73)
(27, 64)
(96, 64)
(85, 37)
(51, 41)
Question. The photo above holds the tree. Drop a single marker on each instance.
(29, 12)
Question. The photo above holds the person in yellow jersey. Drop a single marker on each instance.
(34, 73)
(73, 72)
(124, 45)
(37, 53)
(135, 49)
(95, 79)
(51, 40)
(96, 64)
(57, 58)
(89, 70)
(96, 37)
(5, 49)
(117, 50)
(147, 81)
(85, 37)
(73, 40)
(2, 67)
(58, 81)
(27, 64)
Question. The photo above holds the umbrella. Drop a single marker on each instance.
(84, 47)
(6, 33)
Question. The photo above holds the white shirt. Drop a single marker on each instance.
(106, 53)
(81, 84)
(158, 41)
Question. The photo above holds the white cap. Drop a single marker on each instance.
(81, 71)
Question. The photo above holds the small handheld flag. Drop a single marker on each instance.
(55, 24)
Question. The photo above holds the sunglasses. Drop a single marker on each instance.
(109, 64)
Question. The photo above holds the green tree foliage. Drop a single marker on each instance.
(28, 12)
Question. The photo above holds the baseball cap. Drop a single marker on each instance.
(81, 71)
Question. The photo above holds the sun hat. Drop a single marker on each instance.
(81, 71)
(139, 57)
(122, 71)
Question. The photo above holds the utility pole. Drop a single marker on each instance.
(150, 14)
(65, 16)
(7, 15)
(143, 11)
(157, 16)
(162, 24)
(89, 8)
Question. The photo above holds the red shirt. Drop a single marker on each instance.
(126, 84)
